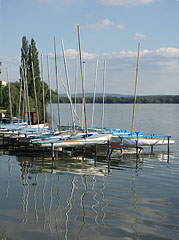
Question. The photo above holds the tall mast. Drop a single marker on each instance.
(24, 107)
(35, 93)
(49, 81)
(104, 79)
(9, 93)
(133, 115)
(94, 95)
(56, 71)
(42, 76)
(81, 65)
(68, 85)
(70, 100)
(20, 98)
(27, 93)
(76, 82)
(82, 119)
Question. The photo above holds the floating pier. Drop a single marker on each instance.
(98, 140)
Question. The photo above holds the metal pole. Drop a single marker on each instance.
(27, 93)
(43, 90)
(133, 116)
(35, 93)
(20, 98)
(68, 85)
(9, 94)
(92, 120)
(104, 78)
(56, 71)
(81, 64)
(49, 81)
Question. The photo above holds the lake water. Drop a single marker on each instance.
(74, 198)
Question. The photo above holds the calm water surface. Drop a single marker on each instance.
(74, 198)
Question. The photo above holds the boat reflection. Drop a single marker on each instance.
(63, 197)
(56, 206)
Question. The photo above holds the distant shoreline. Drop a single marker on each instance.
(169, 99)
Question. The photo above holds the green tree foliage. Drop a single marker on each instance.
(14, 90)
(0, 93)
(29, 64)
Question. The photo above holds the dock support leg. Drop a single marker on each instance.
(137, 148)
(152, 149)
(168, 150)
(109, 152)
(53, 152)
(95, 159)
(56, 154)
(43, 153)
(168, 145)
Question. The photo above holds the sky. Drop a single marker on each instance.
(110, 30)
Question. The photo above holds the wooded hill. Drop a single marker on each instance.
(140, 99)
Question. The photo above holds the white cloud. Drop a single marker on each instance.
(125, 2)
(139, 36)
(157, 64)
(167, 52)
(164, 53)
(104, 25)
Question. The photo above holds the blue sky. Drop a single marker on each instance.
(110, 30)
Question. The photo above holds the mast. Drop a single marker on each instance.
(27, 93)
(94, 93)
(25, 101)
(9, 93)
(104, 78)
(42, 76)
(82, 119)
(81, 65)
(70, 100)
(35, 93)
(133, 115)
(20, 98)
(68, 85)
(56, 71)
(49, 81)
(76, 82)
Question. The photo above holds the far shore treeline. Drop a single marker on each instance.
(140, 99)
(30, 70)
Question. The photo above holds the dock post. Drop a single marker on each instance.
(43, 153)
(56, 154)
(18, 140)
(137, 153)
(168, 145)
(152, 148)
(53, 152)
(137, 145)
(109, 154)
(95, 160)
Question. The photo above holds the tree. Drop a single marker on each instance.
(30, 64)
(14, 92)
(0, 92)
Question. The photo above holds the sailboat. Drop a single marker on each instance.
(136, 140)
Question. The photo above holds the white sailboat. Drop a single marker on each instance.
(76, 140)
